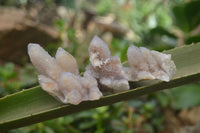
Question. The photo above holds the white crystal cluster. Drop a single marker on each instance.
(144, 64)
(60, 77)
(107, 69)
(149, 64)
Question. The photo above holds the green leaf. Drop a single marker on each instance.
(34, 105)
(185, 96)
(187, 15)
(192, 39)
(161, 31)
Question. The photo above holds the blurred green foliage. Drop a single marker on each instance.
(187, 16)
(156, 24)
(185, 96)
(8, 82)
(13, 80)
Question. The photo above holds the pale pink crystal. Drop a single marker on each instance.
(43, 62)
(107, 69)
(149, 64)
(60, 77)
(66, 61)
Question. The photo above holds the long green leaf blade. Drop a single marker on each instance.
(34, 105)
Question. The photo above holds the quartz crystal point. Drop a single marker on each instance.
(66, 61)
(107, 69)
(149, 64)
(43, 62)
(60, 77)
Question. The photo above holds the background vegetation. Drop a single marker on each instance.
(156, 24)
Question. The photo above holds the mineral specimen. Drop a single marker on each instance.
(60, 77)
(106, 69)
(149, 64)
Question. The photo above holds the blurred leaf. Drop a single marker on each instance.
(161, 31)
(84, 115)
(9, 80)
(7, 71)
(130, 131)
(123, 55)
(71, 35)
(135, 103)
(102, 109)
(48, 130)
(149, 106)
(192, 39)
(69, 119)
(158, 121)
(187, 15)
(119, 47)
(159, 38)
(148, 128)
(104, 6)
(88, 124)
(163, 99)
(34, 105)
(69, 3)
(185, 96)
(60, 24)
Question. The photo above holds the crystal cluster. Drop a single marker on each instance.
(60, 77)
(149, 64)
(107, 69)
